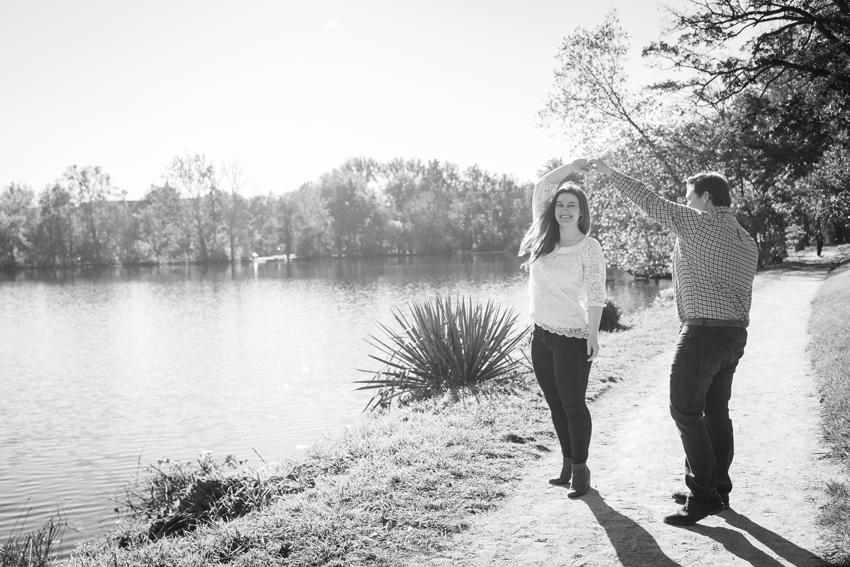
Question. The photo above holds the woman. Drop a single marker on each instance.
(567, 287)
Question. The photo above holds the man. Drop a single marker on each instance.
(714, 264)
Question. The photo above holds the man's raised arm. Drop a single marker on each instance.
(674, 216)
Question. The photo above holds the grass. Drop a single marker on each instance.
(830, 349)
(35, 548)
(398, 485)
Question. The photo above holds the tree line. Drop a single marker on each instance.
(199, 214)
(773, 116)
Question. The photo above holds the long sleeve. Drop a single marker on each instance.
(594, 275)
(678, 218)
(543, 192)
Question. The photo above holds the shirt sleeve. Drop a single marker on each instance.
(594, 275)
(543, 192)
(678, 218)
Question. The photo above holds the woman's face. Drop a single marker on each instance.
(567, 210)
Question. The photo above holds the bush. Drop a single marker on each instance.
(446, 347)
(610, 320)
(178, 497)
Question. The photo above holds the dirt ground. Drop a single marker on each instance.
(636, 461)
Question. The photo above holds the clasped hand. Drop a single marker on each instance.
(591, 166)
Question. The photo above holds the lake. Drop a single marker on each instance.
(104, 371)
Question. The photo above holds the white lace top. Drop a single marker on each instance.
(565, 282)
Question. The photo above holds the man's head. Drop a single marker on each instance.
(706, 190)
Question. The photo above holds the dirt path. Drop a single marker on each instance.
(636, 460)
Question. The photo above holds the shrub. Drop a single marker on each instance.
(178, 497)
(446, 346)
(610, 320)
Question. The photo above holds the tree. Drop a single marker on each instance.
(234, 207)
(195, 178)
(349, 203)
(162, 220)
(828, 194)
(804, 41)
(592, 97)
(56, 240)
(18, 223)
(92, 189)
(787, 87)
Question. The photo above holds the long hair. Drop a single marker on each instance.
(543, 235)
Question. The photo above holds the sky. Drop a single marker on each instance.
(289, 90)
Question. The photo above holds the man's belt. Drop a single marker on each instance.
(714, 322)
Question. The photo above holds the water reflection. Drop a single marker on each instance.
(106, 370)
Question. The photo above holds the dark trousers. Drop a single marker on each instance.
(562, 369)
(700, 388)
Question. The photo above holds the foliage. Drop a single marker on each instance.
(455, 347)
(194, 177)
(805, 41)
(611, 316)
(18, 221)
(351, 207)
(161, 215)
(92, 191)
(57, 231)
(828, 193)
(594, 99)
(776, 73)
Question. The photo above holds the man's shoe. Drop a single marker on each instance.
(681, 496)
(691, 514)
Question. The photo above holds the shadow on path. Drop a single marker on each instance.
(735, 542)
(634, 545)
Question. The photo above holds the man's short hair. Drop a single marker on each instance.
(715, 184)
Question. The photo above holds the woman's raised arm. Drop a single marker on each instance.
(545, 188)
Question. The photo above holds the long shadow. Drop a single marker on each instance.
(634, 545)
(735, 542)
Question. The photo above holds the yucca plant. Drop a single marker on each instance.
(457, 347)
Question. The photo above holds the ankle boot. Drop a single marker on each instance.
(581, 480)
(566, 472)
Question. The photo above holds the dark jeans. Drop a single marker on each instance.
(562, 369)
(700, 388)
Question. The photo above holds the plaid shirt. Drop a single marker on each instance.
(714, 259)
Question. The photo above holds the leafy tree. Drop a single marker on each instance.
(18, 223)
(161, 217)
(805, 41)
(264, 228)
(785, 92)
(593, 98)
(349, 203)
(92, 189)
(234, 203)
(56, 239)
(286, 209)
(828, 192)
(311, 218)
(196, 180)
